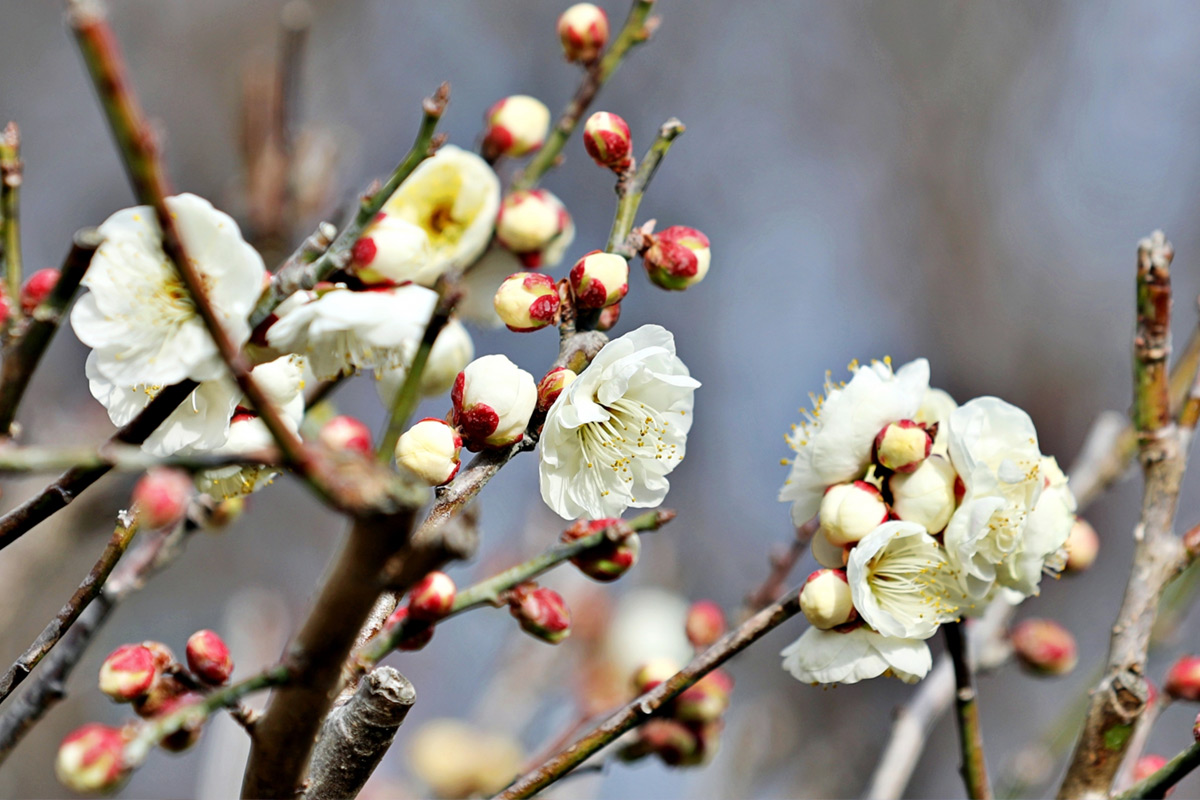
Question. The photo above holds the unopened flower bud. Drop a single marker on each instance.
(902, 446)
(346, 433)
(433, 597)
(825, 599)
(208, 657)
(583, 30)
(516, 125)
(1043, 646)
(91, 759)
(678, 258)
(417, 633)
(390, 250)
(542, 612)
(705, 623)
(165, 689)
(429, 450)
(609, 559)
(163, 657)
(527, 301)
(826, 553)
(552, 386)
(493, 401)
(5, 307)
(926, 495)
(128, 673)
(187, 734)
(706, 700)
(849, 511)
(652, 673)
(161, 497)
(609, 317)
(599, 279)
(674, 743)
(1183, 679)
(1147, 765)
(535, 226)
(1083, 545)
(38, 288)
(607, 140)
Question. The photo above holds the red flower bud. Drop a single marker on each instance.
(599, 279)
(705, 623)
(208, 657)
(552, 386)
(542, 612)
(1147, 765)
(188, 734)
(91, 759)
(165, 689)
(678, 258)
(516, 125)
(609, 317)
(417, 633)
(706, 700)
(902, 446)
(609, 559)
(1044, 647)
(346, 433)
(128, 672)
(38, 288)
(1083, 545)
(652, 673)
(607, 140)
(433, 597)
(161, 496)
(1183, 679)
(583, 30)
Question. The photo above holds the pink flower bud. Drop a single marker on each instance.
(902, 446)
(208, 657)
(189, 733)
(1183, 679)
(1083, 545)
(433, 597)
(705, 623)
(678, 258)
(516, 126)
(161, 497)
(429, 450)
(417, 633)
(542, 612)
(527, 301)
(165, 689)
(825, 599)
(608, 560)
(1147, 765)
(609, 317)
(534, 226)
(675, 743)
(493, 401)
(583, 30)
(1044, 647)
(38, 288)
(391, 250)
(607, 140)
(91, 759)
(652, 673)
(552, 386)
(163, 657)
(128, 673)
(849, 511)
(346, 433)
(599, 279)
(706, 700)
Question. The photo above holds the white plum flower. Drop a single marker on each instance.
(936, 409)
(902, 582)
(343, 331)
(861, 654)
(617, 430)
(1045, 536)
(834, 444)
(139, 318)
(454, 197)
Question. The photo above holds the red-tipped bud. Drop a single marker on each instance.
(706, 700)
(607, 140)
(825, 599)
(609, 559)
(429, 450)
(128, 673)
(583, 30)
(599, 279)
(417, 633)
(346, 433)
(391, 250)
(189, 733)
(208, 657)
(1147, 765)
(1183, 679)
(1044, 647)
(609, 317)
(902, 446)
(552, 386)
(652, 673)
(674, 743)
(163, 656)
(535, 226)
(678, 258)
(542, 612)
(91, 759)
(527, 301)
(38, 288)
(5, 307)
(493, 400)
(165, 689)
(849, 511)
(705, 623)
(1083, 545)
(161, 497)
(433, 597)
(516, 126)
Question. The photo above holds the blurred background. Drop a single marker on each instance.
(961, 181)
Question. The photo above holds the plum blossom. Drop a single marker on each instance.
(834, 657)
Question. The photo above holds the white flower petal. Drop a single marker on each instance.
(833, 657)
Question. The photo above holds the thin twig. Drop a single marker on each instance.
(11, 170)
(631, 189)
(970, 732)
(1171, 773)
(123, 458)
(782, 565)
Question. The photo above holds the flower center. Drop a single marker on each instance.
(632, 431)
(911, 580)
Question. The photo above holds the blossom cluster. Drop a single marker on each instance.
(927, 512)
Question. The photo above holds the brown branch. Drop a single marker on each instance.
(966, 703)
(783, 562)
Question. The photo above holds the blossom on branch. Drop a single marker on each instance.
(834, 657)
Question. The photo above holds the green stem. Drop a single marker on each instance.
(10, 211)
(634, 31)
(631, 190)
(974, 766)
(1171, 773)
(124, 458)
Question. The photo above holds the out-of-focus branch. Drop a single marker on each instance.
(356, 735)
(782, 564)
(1171, 773)
(123, 458)
(11, 171)
(966, 704)
(632, 188)
(642, 708)
(638, 28)
(22, 356)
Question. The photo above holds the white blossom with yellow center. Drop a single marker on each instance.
(618, 429)
(861, 654)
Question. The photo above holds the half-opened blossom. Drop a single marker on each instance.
(833, 445)
(834, 657)
(617, 430)
(902, 582)
(139, 318)
(454, 196)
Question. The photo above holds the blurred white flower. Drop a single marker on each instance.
(138, 317)
(451, 353)
(834, 657)
(833, 445)
(648, 624)
(615, 432)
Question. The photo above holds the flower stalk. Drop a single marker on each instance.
(11, 171)
(974, 766)
(632, 189)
